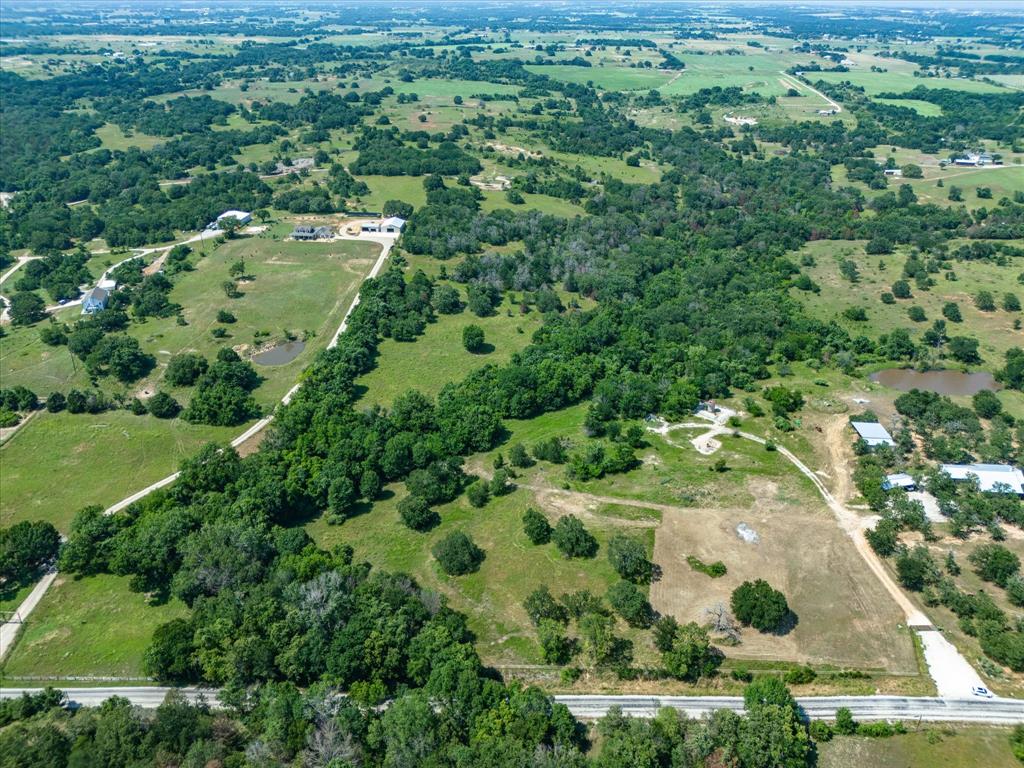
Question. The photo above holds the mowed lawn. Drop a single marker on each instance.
(61, 462)
(994, 330)
(89, 626)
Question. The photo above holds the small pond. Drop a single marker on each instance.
(281, 354)
(942, 382)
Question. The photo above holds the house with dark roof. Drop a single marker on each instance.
(309, 232)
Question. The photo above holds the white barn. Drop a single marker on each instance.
(990, 477)
(872, 433)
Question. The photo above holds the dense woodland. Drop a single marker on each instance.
(689, 283)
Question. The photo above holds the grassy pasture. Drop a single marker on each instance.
(924, 747)
(609, 78)
(901, 81)
(89, 626)
(114, 138)
(993, 329)
(925, 108)
(98, 459)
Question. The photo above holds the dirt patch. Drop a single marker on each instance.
(845, 616)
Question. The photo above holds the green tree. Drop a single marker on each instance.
(629, 559)
(758, 605)
(995, 563)
(473, 338)
(572, 539)
(26, 308)
(536, 526)
(457, 554)
(691, 655)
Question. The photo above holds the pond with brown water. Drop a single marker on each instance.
(943, 382)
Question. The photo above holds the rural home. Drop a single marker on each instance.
(872, 433)
(309, 232)
(990, 477)
(95, 301)
(894, 172)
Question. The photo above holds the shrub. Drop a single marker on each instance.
(572, 539)
(417, 514)
(995, 563)
(478, 493)
(163, 406)
(629, 559)
(758, 605)
(800, 676)
(183, 370)
(536, 526)
(715, 570)
(56, 402)
(457, 554)
(473, 338)
(629, 602)
(223, 316)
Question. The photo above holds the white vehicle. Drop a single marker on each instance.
(981, 690)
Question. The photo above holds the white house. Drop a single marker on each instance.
(872, 433)
(990, 477)
(895, 172)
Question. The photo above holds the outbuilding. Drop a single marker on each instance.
(899, 480)
(990, 477)
(392, 225)
(243, 217)
(872, 433)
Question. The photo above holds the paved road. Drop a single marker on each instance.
(9, 630)
(589, 707)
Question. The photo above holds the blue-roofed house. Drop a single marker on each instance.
(872, 433)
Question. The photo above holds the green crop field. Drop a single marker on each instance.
(88, 626)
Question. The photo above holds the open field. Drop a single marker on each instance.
(61, 462)
(923, 747)
(901, 80)
(607, 78)
(438, 357)
(993, 329)
(114, 138)
(925, 108)
(89, 626)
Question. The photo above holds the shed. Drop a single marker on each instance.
(392, 224)
(872, 433)
(95, 301)
(990, 477)
(899, 480)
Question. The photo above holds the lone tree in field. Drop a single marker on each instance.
(758, 605)
(457, 554)
(536, 526)
(473, 338)
(629, 559)
(573, 539)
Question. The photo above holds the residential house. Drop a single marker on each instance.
(308, 232)
(95, 301)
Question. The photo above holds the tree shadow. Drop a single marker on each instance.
(484, 349)
(787, 625)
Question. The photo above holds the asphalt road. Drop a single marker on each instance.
(866, 708)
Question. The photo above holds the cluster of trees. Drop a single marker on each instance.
(383, 152)
(463, 722)
(24, 548)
